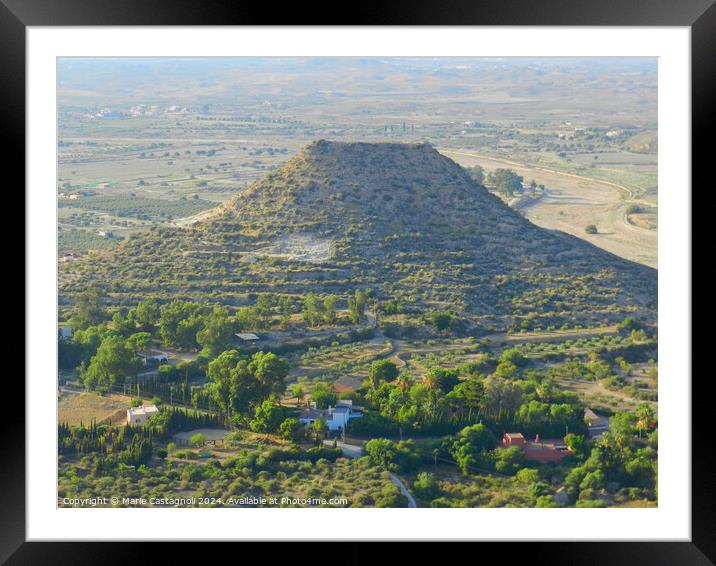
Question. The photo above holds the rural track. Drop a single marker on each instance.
(353, 452)
(404, 490)
(617, 235)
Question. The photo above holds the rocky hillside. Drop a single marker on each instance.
(403, 220)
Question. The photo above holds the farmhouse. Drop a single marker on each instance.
(513, 439)
(137, 416)
(539, 450)
(337, 417)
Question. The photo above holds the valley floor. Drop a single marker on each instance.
(573, 201)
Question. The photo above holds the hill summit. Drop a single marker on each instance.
(401, 219)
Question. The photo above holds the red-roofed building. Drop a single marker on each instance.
(547, 450)
(513, 439)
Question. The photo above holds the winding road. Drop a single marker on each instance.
(404, 490)
(572, 201)
(354, 451)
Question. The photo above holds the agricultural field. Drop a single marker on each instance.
(336, 291)
(248, 470)
(573, 200)
(347, 361)
(185, 152)
(75, 408)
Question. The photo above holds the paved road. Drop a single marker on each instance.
(349, 450)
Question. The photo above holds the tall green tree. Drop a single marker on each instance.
(505, 181)
(232, 386)
(477, 173)
(114, 361)
(382, 371)
(139, 341)
(270, 372)
(267, 417)
(246, 318)
(502, 397)
(188, 330)
(265, 304)
(329, 309)
(324, 395)
(88, 309)
(445, 379)
(146, 314)
(357, 305)
(179, 322)
(312, 310)
(292, 429)
(217, 331)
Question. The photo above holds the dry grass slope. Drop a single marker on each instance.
(401, 219)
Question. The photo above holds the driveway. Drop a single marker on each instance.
(352, 451)
(349, 450)
(403, 490)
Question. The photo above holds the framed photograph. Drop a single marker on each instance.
(410, 277)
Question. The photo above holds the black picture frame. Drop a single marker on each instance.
(699, 15)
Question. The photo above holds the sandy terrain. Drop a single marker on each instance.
(572, 202)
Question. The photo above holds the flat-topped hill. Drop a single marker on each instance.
(401, 219)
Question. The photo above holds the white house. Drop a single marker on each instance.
(137, 416)
(336, 417)
(66, 332)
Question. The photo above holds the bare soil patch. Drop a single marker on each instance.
(571, 202)
(76, 408)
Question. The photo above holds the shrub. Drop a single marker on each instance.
(538, 489)
(527, 476)
(291, 429)
(545, 501)
(426, 486)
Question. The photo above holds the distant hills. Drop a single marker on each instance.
(401, 219)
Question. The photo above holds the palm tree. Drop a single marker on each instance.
(645, 416)
(373, 378)
(432, 384)
(403, 382)
(431, 381)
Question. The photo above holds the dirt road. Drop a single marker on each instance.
(404, 490)
(571, 202)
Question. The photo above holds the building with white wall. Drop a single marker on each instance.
(137, 416)
(337, 417)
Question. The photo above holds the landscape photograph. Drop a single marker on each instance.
(357, 282)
